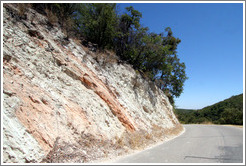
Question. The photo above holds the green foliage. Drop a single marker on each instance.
(150, 53)
(98, 22)
(63, 13)
(127, 38)
(229, 111)
(153, 55)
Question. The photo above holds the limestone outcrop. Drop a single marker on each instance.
(65, 103)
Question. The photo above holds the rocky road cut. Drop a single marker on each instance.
(199, 144)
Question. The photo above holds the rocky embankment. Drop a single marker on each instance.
(63, 102)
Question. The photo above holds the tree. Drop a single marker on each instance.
(59, 12)
(97, 22)
(127, 34)
(159, 59)
(153, 54)
(231, 116)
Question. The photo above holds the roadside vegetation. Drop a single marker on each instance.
(152, 55)
(91, 149)
(101, 26)
(229, 111)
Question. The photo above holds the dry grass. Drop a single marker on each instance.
(105, 57)
(130, 140)
(239, 126)
(67, 27)
(158, 132)
(136, 83)
(63, 152)
(137, 140)
(17, 10)
(52, 18)
(120, 142)
(175, 130)
(141, 139)
(78, 42)
(207, 123)
(22, 9)
(89, 148)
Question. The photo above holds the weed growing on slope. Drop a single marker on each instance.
(52, 18)
(90, 148)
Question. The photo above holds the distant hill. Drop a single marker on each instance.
(229, 111)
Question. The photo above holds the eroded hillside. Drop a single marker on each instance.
(63, 102)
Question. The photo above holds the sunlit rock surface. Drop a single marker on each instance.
(65, 103)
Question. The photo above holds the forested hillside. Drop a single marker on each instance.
(229, 111)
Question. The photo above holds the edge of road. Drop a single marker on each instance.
(134, 152)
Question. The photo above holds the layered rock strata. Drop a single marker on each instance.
(61, 99)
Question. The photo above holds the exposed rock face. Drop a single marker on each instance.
(58, 96)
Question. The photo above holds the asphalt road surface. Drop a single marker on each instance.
(199, 144)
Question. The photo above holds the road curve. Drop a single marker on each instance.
(199, 144)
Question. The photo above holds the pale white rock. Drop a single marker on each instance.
(56, 90)
(18, 145)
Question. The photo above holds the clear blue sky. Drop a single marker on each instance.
(211, 46)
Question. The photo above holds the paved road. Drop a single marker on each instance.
(199, 144)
